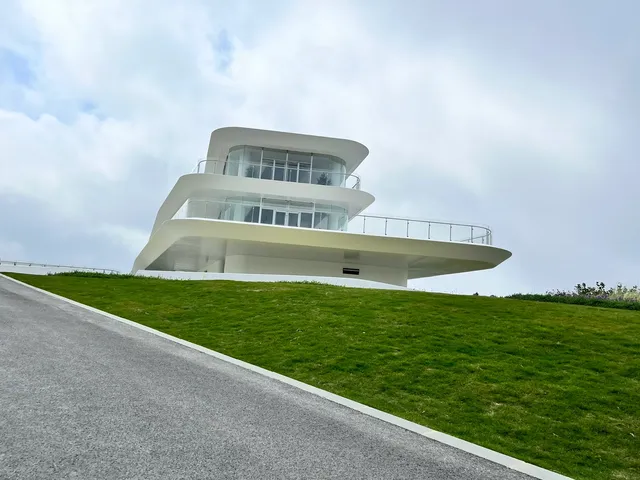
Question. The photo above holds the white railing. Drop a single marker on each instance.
(337, 220)
(48, 265)
(420, 229)
(281, 173)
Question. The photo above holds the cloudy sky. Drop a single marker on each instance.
(520, 115)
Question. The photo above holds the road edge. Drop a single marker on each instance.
(482, 452)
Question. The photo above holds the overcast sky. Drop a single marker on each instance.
(522, 115)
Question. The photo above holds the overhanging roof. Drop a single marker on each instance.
(223, 139)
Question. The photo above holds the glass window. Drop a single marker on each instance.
(323, 207)
(267, 169)
(233, 162)
(293, 220)
(327, 170)
(251, 162)
(251, 214)
(278, 173)
(306, 219)
(321, 220)
(343, 222)
(280, 217)
(302, 162)
(277, 155)
(229, 213)
(266, 216)
(301, 205)
(304, 172)
(275, 203)
(292, 172)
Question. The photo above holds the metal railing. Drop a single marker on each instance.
(336, 220)
(48, 265)
(279, 172)
(420, 229)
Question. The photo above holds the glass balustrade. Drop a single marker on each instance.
(279, 170)
(286, 213)
(330, 217)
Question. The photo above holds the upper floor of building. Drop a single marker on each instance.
(283, 156)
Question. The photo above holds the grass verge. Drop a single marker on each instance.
(551, 384)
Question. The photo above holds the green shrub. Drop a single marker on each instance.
(627, 298)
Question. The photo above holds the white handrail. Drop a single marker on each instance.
(371, 224)
(406, 227)
(48, 265)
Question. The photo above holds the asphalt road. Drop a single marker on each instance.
(84, 396)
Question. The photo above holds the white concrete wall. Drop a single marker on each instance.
(288, 266)
(215, 267)
(240, 277)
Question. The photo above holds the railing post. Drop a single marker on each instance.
(429, 232)
(407, 228)
(450, 231)
(385, 225)
(471, 234)
(364, 224)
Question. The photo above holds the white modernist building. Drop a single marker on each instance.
(276, 203)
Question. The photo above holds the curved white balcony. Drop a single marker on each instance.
(325, 217)
(279, 172)
(421, 229)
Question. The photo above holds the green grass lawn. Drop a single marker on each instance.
(555, 385)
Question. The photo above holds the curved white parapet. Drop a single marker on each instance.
(237, 247)
(206, 185)
(223, 139)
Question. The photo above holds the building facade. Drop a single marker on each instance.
(278, 203)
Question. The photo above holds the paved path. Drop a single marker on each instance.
(84, 396)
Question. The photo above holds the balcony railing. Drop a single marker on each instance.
(279, 172)
(420, 229)
(269, 213)
(48, 265)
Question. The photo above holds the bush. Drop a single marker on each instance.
(599, 296)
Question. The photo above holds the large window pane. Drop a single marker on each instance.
(277, 155)
(251, 214)
(251, 162)
(293, 220)
(233, 162)
(304, 172)
(278, 173)
(267, 216)
(302, 161)
(280, 217)
(327, 170)
(321, 220)
(267, 169)
(292, 172)
(306, 220)
(343, 222)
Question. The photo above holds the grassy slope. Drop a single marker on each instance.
(554, 385)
